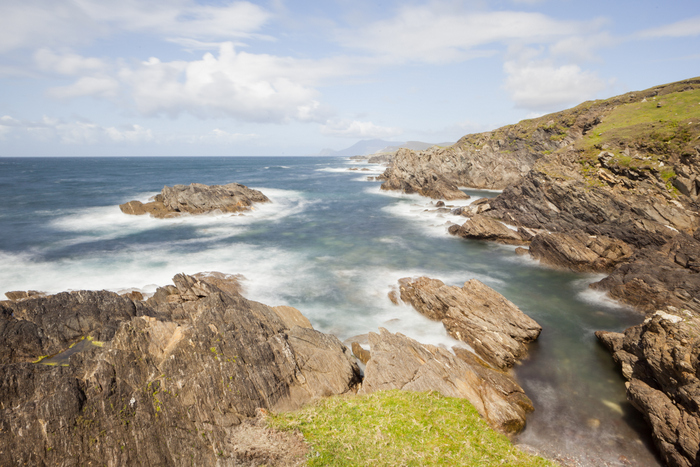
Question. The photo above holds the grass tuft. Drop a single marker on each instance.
(405, 428)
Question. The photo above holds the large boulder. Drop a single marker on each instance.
(197, 198)
(174, 381)
(660, 358)
(399, 362)
(476, 314)
(577, 251)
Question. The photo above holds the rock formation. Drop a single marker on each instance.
(487, 228)
(197, 199)
(476, 314)
(399, 362)
(660, 359)
(609, 186)
(176, 379)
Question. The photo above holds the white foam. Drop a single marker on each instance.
(108, 222)
(596, 297)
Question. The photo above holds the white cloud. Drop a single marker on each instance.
(358, 130)
(75, 132)
(70, 64)
(435, 33)
(540, 85)
(94, 86)
(686, 28)
(251, 87)
(32, 23)
(580, 48)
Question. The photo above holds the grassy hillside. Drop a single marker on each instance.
(390, 428)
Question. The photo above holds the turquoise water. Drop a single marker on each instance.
(333, 245)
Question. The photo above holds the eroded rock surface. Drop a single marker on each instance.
(494, 327)
(660, 360)
(174, 382)
(399, 362)
(486, 228)
(197, 199)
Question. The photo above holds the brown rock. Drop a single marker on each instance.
(481, 227)
(361, 354)
(292, 317)
(476, 314)
(399, 362)
(174, 381)
(197, 198)
(660, 360)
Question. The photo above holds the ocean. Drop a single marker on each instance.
(332, 245)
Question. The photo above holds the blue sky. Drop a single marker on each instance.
(197, 78)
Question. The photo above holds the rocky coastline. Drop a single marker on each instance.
(609, 186)
(197, 198)
(183, 376)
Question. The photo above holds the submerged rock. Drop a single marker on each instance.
(197, 198)
(476, 314)
(399, 362)
(174, 382)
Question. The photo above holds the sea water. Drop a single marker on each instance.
(333, 245)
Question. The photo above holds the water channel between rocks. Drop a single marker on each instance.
(331, 244)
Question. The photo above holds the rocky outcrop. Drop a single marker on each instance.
(399, 362)
(487, 228)
(176, 380)
(197, 199)
(476, 314)
(414, 179)
(577, 251)
(660, 360)
(644, 241)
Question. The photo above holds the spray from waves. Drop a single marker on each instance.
(108, 222)
(145, 268)
(596, 297)
(363, 305)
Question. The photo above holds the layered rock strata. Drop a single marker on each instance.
(660, 359)
(610, 186)
(494, 327)
(399, 362)
(197, 198)
(173, 381)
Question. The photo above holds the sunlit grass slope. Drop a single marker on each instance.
(401, 428)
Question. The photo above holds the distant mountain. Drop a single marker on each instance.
(373, 146)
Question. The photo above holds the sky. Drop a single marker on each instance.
(279, 77)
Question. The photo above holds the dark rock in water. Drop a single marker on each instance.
(175, 381)
(661, 361)
(399, 362)
(476, 314)
(197, 199)
(481, 227)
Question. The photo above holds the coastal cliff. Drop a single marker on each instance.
(609, 186)
(187, 376)
(176, 379)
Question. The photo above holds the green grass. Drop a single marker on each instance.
(390, 428)
(661, 129)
